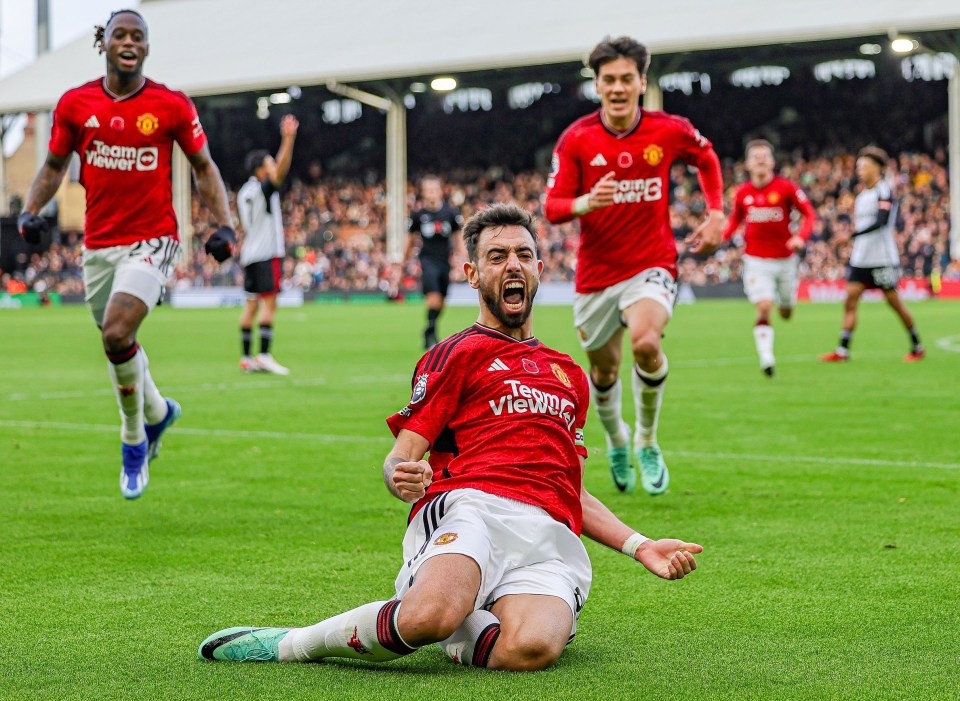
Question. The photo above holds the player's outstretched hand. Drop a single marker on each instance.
(707, 237)
(32, 227)
(411, 479)
(221, 243)
(668, 558)
(289, 125)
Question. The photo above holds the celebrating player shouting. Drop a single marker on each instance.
(123, 127)
(493, 569)
(611, 169)
(770, 258)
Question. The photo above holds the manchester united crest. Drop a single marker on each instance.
(774, 197)
(653, 154)
(147, 124)
(560, 374)
(445, 539)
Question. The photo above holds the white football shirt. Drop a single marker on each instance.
(258, 204)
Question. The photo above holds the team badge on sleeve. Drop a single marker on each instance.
(578, 437)
(445, 539)
(419, 389)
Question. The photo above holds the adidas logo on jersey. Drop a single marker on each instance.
(598, 160)
(497, 365)
(93, 122)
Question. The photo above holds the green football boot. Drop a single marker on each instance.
(622, 469)
(653, 470)
(243, 645)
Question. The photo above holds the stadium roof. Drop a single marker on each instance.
(212, 47)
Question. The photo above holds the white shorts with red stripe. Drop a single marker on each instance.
(519, 547)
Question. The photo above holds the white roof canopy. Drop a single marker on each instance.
(210, 47)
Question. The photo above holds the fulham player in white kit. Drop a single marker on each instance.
(875, 260)
(262, 249)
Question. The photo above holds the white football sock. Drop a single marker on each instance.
(648, 400)
(128, 383)
(368, 632)
(154, 406)
(460, 646)
(609, 405)
(763, 338)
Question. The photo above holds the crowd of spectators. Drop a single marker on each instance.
(335, 229)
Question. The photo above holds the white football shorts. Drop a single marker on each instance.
(519, 547)
(140, 269)
(598, 315)
(771, 279)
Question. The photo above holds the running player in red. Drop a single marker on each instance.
(770, 260)
(611, 169)
(123, 127)
(494, 569)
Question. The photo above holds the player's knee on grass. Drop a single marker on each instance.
(526, 649)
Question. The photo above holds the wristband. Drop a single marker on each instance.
(581, 205)
(632, 543)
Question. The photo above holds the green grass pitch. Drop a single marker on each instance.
(826, 498)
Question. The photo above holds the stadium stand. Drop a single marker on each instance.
(334, 229)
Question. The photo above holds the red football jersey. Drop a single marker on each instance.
(634, 233)
(125, 147)
(502, 416)
(766, 211)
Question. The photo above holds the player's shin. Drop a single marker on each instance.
(648, 396)
(126, 372)
(154, 406)
(609, 404)
(473, 641)
(763, 339)
(368, 632)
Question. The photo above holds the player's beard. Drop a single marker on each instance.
(493, 301)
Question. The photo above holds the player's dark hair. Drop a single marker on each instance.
(758, 143)
(498, 215)
(100, 31)
(611, 49)
(255, 159)
(875, 154)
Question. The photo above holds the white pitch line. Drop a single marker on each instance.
(949, 343)
(815, 459)
(332, 438)
(216, 386)
(206, 432)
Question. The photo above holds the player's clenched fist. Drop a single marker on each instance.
(221, 243)
(411, 479)
(32, 227)
(602, 192)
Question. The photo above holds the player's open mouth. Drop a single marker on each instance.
(514, 295)
(127, 58)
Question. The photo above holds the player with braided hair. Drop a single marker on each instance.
(123, 126)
